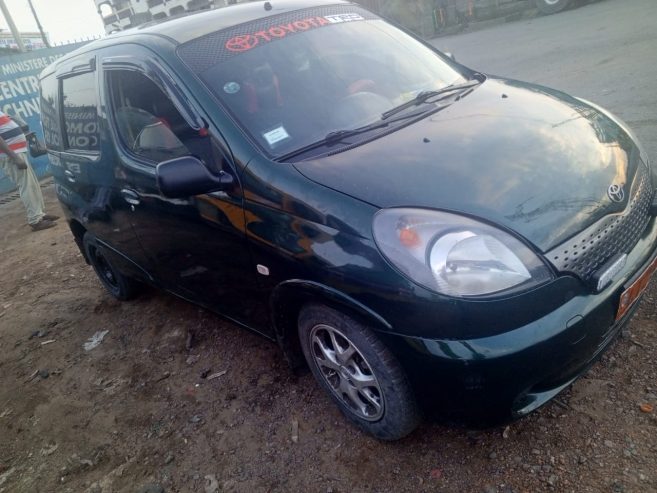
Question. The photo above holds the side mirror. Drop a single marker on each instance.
(449, 55)
(186, 176)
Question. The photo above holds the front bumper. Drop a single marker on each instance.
(508, 375)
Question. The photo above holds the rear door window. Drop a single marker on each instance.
(79, 109)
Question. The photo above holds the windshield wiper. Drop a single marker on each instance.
(336, 136)
(424, 97)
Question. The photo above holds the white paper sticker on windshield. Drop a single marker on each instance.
(276, 135)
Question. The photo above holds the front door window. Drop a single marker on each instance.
(148, 123)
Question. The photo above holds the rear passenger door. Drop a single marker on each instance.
(84, 167)
(197, 246)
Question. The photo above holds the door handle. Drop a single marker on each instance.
(130, 196)
(69, 176)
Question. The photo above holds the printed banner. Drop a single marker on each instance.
(19, 95)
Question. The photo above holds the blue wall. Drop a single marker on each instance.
(19, 95)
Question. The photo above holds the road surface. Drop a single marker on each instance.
(605, 52)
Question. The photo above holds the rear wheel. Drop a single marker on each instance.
(551, 6)
(121, 287)
(359, 373)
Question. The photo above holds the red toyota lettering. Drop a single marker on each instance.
(302, 25)
(277, 31)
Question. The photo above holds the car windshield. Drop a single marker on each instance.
(292, 79)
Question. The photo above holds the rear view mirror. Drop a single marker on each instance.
(186, 176)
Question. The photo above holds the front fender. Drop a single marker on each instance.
(290, 296)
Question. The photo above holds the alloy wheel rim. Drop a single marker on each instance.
(347, 372)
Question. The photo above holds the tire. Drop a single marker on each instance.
(362, 377)
(551, 6)
(118, 285)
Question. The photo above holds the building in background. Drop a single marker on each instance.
(31, 40)
(122, 14)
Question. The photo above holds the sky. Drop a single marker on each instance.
(63, 20)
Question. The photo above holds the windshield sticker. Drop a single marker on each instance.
(247, 42)
(232, 88)
(335, 19)
(273, 137)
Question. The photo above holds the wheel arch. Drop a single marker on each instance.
(78, 231)
(289, 297)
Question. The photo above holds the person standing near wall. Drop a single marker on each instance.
(14, 163)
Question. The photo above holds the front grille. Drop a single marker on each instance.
(583, 254)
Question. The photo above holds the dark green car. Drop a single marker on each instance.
(423, 236)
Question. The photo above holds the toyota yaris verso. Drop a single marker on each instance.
(426, 238)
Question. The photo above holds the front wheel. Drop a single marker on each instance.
(359, 373)
(551, 6)
(120, 286)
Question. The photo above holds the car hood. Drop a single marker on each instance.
(531, 159)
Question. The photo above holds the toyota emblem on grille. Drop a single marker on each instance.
(616, 193)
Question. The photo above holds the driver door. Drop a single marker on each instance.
(196, 246)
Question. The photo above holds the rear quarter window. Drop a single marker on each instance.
(49, 118)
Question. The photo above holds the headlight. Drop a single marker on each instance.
(455, 255)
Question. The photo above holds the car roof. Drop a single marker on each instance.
(179, 30)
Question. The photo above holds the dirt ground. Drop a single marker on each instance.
(135, 410)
